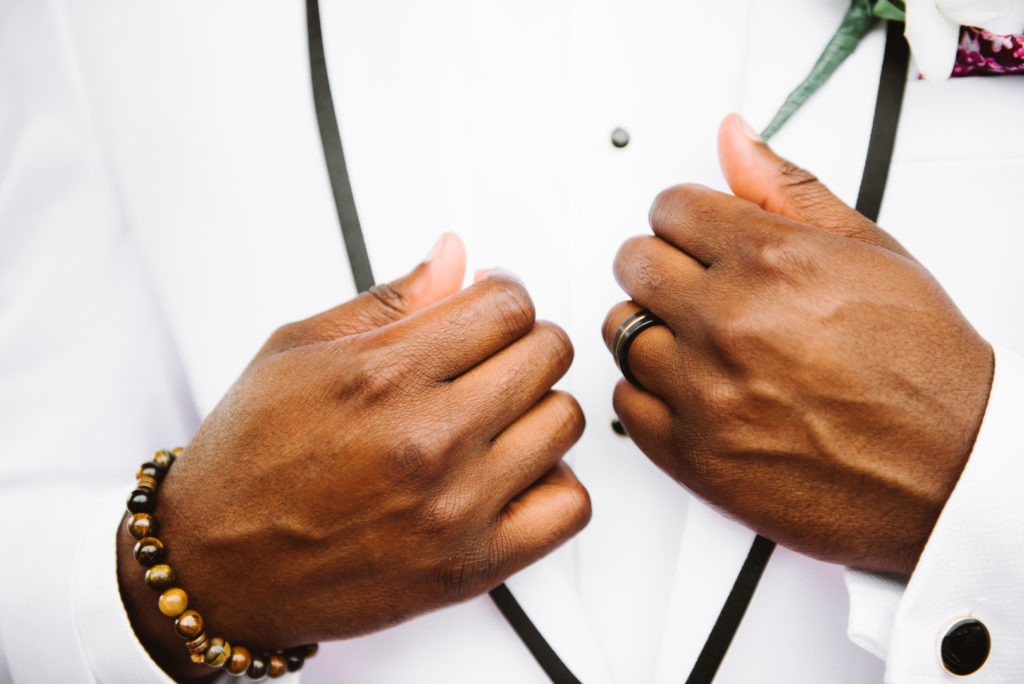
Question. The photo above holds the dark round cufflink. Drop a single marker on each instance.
(965, 647)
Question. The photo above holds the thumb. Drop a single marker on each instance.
(756, 173)
(439, 275)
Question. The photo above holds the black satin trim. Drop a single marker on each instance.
(888, 105)
(334, 154)
(557, 671)
(735, 607)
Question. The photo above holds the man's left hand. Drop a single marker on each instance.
(811, 378)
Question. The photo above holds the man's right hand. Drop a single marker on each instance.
(393, 455)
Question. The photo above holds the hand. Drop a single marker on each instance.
(388, 457)
(812, 379)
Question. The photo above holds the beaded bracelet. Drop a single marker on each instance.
(173, 601)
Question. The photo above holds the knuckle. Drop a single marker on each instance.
(796, 179)
(609, 326)
(628, 252)
(444, 515)
(670, 202)
(866, 231)
(700, 470)
(648, 278)
(793, 175)
(578, 507)
(459, 575)
(511, 305)
(286, 336)
(567, 415)
(638, 268)
(451, 578)
(377, 366)
(392, 300)
(379, 379)
(509, 382)
(615, 318)
(772, 254)
(777, 254)
(727, 332)
(423, 458)
(634, 421)
(802, 188)
(556, 344)
(632, 247)
(719, 398)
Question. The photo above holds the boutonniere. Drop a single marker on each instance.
(933, 31)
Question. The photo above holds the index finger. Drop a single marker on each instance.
(452, 336)
(704, 223)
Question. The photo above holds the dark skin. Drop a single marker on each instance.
(394, 455)
(812, 379)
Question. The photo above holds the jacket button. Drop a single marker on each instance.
(965, 647)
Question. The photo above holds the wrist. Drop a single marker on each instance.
(151, 627)
(167, 599)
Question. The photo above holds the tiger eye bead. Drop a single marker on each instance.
(164, 459)
(239, 661)
(217, 653)
(146, 482)
(177, 451)
(160, 577)
(142, 501)
(141, 525)
(173, 602)
(294, 658)
(153, 470)
(276, 667)
(149, 550)
(258, 669)
(189, 624)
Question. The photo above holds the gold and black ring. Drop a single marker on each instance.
(624, 336)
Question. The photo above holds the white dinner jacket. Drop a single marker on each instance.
(164, 206)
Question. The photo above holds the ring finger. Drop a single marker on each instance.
(650, 353)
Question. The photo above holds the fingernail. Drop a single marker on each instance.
(435, 250)
(748, 130)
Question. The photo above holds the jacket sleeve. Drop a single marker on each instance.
(972, 565)
(90, 381)
(62, 619)
(114, 653)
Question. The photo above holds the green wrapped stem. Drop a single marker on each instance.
(857, 21)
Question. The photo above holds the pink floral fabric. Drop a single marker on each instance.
(981, 52)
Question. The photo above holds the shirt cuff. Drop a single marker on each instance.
(874, 600)
(972, 564)
(114, 653)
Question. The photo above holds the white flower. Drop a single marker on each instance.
(933, 28)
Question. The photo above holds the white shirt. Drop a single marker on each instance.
(164, 206)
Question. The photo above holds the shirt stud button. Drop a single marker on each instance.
(620, 138)
(618, 428)
(965, 647)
